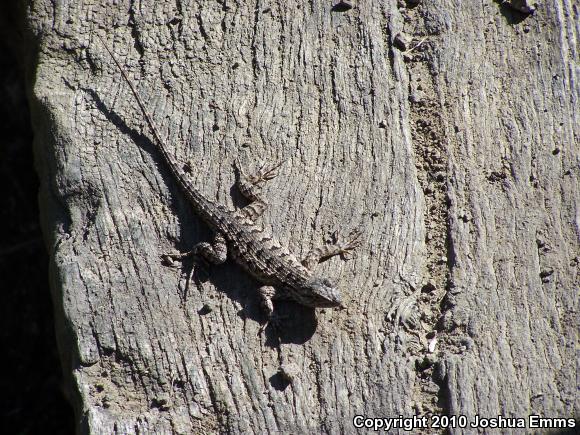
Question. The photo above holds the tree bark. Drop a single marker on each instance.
(447, 131)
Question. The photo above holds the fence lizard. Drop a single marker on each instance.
(236, 234)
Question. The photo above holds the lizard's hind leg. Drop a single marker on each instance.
(335, 246)
(215, 252)
(251, 187)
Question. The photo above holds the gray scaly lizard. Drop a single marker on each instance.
(236, 233)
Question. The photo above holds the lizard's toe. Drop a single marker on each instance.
(168, 260)
(275, 320)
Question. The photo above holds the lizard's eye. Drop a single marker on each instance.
(327, 282)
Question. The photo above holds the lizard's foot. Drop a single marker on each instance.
(197, 275)
(275, 320)
(171, 259)
(199, 269)
(250, 186)
(346, 247)
(333, 246)
(265, 172)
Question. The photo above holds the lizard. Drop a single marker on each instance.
(237, 235)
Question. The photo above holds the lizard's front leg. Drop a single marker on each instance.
(251, 187)
(215, 252)
(334, 247)
(267, 294)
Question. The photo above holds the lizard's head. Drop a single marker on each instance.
(321, 293)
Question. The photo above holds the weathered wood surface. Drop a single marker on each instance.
(459, 157)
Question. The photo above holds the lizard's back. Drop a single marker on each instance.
(257, 251)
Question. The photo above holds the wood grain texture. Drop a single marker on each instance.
(459, 157)
(512, 123)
